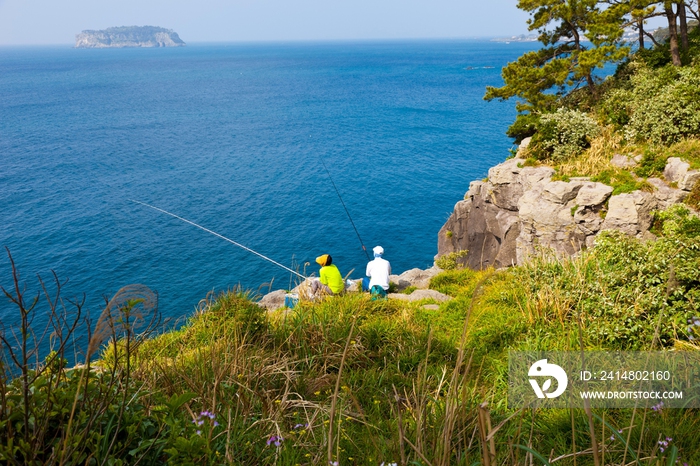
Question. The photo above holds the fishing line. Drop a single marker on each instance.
(220, 236)
(346, 209)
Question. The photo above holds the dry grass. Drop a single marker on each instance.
(596, 159)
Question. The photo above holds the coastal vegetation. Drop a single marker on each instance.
(350, 380)
(356, 381)
(576, 120)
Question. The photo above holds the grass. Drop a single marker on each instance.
(413, 379)
(357, 381)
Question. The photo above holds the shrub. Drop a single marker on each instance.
(615, 108)
(665, 105)
(563, 134)
(451, 261)
(524, 126)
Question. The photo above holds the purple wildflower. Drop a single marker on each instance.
(276, 440)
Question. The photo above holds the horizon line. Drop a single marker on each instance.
(291, 41)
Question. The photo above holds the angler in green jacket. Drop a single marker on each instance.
(330, 281)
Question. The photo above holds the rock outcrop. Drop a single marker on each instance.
(132, 36)
(420, 279)
(519, 209)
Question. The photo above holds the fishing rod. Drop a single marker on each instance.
(346, 210)
(220, 236)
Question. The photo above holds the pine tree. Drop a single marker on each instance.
(541, 77)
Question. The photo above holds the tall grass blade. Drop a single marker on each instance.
(533, 453)
(617, 434)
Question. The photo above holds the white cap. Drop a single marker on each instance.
(378, 250)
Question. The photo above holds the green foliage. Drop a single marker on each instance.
(524, 126)
(614, 108)
(693, 198)
(621, 181)
(452, 260)
(677, 221)
(230, 387)
(659, 56)
(652, 164)
(563, 134)
(664, 106)
(561, 64)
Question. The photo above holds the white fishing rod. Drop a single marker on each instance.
(220, 236)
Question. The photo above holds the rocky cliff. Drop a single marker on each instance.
(519, 209)
(133, 36)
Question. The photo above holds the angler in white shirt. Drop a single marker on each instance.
(378, 271)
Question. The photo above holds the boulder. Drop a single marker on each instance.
(630, 213)
(547, 224)
(486, 231)
(560, 192)
(474, 189)
(523, 145)
(503, 220)
(593, 194)
(588, 219)
(665, 195)
(273, 300)
(677, 171)
(416, 277)
(535, 177)
(503, 188)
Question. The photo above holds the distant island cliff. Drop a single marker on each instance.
(129, 36)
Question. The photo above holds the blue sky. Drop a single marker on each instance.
(33, 22)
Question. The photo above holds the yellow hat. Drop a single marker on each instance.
(323, 260)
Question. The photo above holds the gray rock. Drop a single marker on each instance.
(417, 277)
(588, 219)
(593, 194)
(273, 300)
(665, 195)
(399, 283)
(518, 210)
(418, 295)
(486, 231)
(560, 192)
(474, 189)
(630, 212)
(677, 171)
(622, 161)
(546, 224)
(505, 173)
(523, 145)
(534, 177)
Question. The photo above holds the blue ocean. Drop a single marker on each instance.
(234, 137)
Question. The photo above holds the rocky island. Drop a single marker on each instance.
(129, 36)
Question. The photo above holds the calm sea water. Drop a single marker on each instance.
(231, 137)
